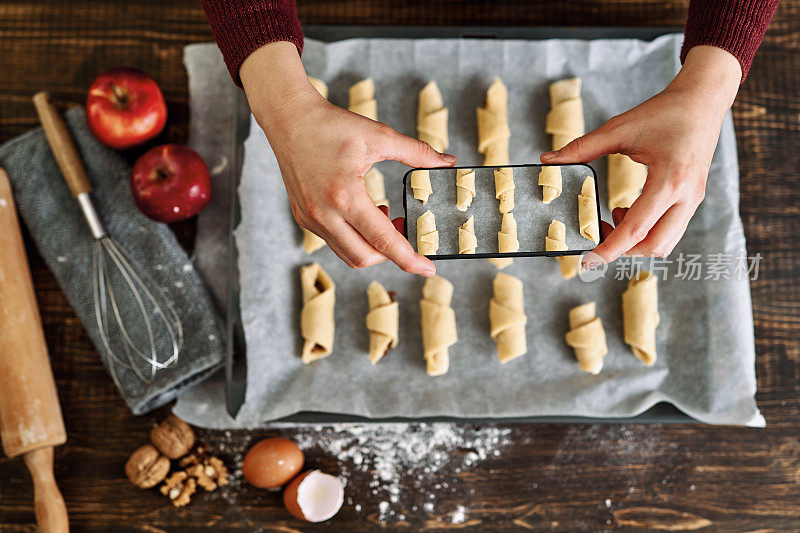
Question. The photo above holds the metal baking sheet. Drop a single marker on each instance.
(236, 361)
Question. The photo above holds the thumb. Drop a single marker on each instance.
(409, 151)
(597, 143)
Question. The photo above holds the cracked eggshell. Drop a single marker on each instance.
(314, 496)
(271, 463)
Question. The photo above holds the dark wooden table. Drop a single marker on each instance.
(550, 476)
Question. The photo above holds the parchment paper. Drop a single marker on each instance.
(705, 339)
(531, 214)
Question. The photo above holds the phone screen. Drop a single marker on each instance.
(503, 211)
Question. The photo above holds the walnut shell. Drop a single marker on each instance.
(173, 437)
(146, 467)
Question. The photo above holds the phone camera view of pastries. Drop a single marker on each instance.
(501, 210)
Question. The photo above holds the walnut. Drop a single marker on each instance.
(146, 467)
(209, 473)
(196, 456)
(179, 488)
(173, 437)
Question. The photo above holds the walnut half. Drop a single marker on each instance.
(209, 471)
(179, 488)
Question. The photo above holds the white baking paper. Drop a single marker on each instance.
(705, 339)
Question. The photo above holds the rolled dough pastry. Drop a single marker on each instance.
(362, 99)
(311, 242)
(427, 235)
(432, 118)
(507, 317)
(556, 241)
(504, 188)
(438, 324)
(625, 180)
(316, 317)
(587, 211)
(320, 86)
(383, 321)
(640, 316)
(587, 337)
(421, 185)
(493, 132)
(551, 182)
(465, 188)
(373, 181)
(467, 241)
(565, 119)
(506, 241)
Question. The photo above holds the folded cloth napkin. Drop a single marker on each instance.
(56, 224)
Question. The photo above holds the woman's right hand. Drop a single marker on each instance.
(323, 152)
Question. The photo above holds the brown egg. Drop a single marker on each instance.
(271, 463)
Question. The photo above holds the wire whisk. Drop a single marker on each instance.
(139, 327)
(161, 328)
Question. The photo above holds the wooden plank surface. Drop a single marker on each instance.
(549, 477)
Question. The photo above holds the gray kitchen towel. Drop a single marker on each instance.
(56, 224)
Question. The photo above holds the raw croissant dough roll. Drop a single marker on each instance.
(556, 241)
(551, 183)
(373, 181)
(438, 324)
(316, 317)
(312, 243)
(506, 241)
(565, 119)
(507, 317)
(504, 188)
(465, 188)
(493, 132)
(320, 86)
(432, 118)
(625, 180)
(383, 321)
(362, 101)
(640, 316)
(427, 235)
(467, 241)
(587, 211)
(421, 185)
(587, 337)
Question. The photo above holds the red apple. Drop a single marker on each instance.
(170, 183)
(125, 107)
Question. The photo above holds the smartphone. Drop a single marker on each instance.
(454, 195)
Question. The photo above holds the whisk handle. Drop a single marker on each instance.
(62, 145)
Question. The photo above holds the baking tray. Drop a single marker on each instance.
(235, 359)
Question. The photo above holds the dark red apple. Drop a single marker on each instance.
(170, 183)
(125, 107)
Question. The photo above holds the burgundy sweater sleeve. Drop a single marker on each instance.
(737, 26)
(240, 27)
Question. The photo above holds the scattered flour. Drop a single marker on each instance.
(423, 456)
(459, 516)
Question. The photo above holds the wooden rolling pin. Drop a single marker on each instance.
(30, 415)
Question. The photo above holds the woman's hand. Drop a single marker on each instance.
(675, 133)
(323, 152)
